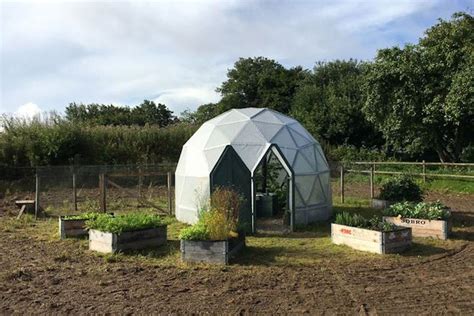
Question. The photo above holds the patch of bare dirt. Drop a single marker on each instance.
(63, 277)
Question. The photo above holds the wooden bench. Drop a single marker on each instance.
(25, 205)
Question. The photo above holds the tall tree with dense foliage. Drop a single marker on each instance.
(422, 96)
(203, 113)
(148, 112)
(329, 103)
(259, 82)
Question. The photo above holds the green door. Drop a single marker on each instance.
(231, 172)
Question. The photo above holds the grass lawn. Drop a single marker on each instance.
(431, 184)
(307, 246)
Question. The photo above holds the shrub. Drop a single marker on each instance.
(124, 223)
(432, 211)
(401, 188)
(220, 221)
(356, 220)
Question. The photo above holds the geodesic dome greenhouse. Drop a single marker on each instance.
(226, 151)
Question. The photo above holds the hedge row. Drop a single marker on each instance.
(62, 143)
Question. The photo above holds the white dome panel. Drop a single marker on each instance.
(267, 117)
(268, 130)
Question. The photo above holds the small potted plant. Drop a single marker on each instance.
(425, 219)
(397, 189)
(215, 238)
(372, 235)
(75, 225)
(132, 231)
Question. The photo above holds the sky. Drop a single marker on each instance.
(177, 52)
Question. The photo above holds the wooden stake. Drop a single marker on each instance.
(342, 183)
(372, 182)
(74, 191)
(37, 196)
(424, 171)
(170, 200)
(140, 181)
(103, 192)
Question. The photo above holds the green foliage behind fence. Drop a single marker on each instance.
(62, 143)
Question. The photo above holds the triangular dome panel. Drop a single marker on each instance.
(317, 195)
(308, 152)
(267, 117)
(250, 112)
(233, 117)
(249, 134)
(217, 138)
(289, 154)
(305, 186)
(301, 130)
(299, 140)
(250, 154)
(283, 139)
(301, 165)
(213, 155)
(268, 130)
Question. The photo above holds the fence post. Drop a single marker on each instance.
(372, 182)
(140, 182)
(424, 171)
(342, 182)
(103, 192)
(170, 200)
(37, 194)
(74, 191)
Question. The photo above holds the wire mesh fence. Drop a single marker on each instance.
(126, 188)
(102, 188)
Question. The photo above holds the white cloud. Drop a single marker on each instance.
(28, 110)
(187, 97)
(59, 52)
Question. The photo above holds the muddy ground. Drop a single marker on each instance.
(41, 275)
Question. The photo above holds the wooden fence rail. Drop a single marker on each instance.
(451, 164)
(372, 172)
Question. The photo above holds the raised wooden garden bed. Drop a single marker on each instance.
(374, 241)
(72, 227)
(132, 240)
(220, 251)
(423, 227)
(381, 204)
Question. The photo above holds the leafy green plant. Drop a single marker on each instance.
(432, 211)
(123, 223)
(357, 220)
(401, 188)
(195, 232)
(83, 216)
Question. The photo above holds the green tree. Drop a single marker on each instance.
(203, 113)
(329, 103)
(422, 96)
(151, 113)
(148, 112)
(259, 82)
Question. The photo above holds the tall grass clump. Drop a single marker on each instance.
(220, 221)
